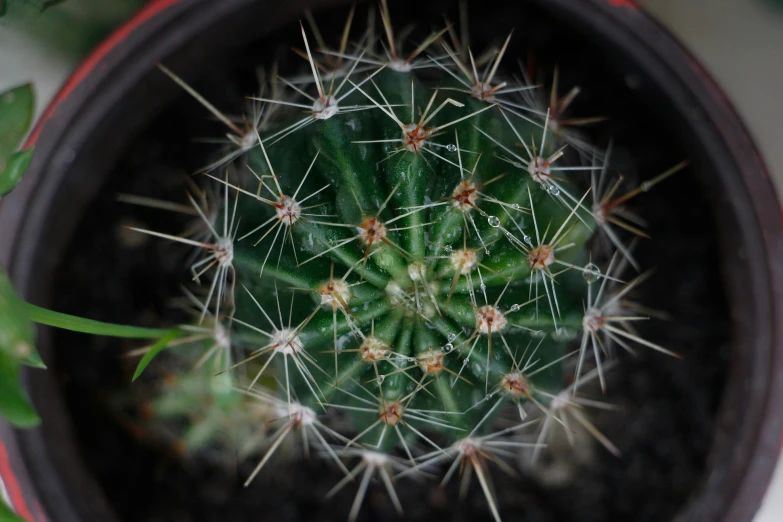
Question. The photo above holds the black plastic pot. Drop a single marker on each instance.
(115, 95)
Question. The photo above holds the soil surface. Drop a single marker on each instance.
(669, 406)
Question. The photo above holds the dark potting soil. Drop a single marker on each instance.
(667, 422)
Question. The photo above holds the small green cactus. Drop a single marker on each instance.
(403, 245)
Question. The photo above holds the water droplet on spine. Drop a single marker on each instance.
(553, 190)
(448, 347)
(451, 147)
(493, 221)
(591, 273)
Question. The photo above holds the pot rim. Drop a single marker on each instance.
(759, 439)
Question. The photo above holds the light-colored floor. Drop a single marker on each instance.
(740, 41)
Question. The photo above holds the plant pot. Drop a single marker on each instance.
(719, 274)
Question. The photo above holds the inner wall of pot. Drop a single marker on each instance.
(670, 406)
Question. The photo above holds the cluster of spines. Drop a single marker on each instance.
(425, 292)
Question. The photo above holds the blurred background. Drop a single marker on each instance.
(739, 41)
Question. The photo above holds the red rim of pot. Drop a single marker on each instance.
(750, 423)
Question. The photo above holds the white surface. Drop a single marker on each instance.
(22, 61)
(740, 41)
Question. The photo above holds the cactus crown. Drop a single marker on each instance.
(403, 247)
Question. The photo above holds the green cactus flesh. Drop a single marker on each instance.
(405, 279)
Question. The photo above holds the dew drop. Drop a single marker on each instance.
(516, 206)
(465, 362)
(528, 240)
(448, 347)
(494, 221)
(452, 336)
(514, 307)
(447, 248)
(553, 190)
(486, 251)
(483, 287)
(451, 147)
(591, 273)
(381, 378)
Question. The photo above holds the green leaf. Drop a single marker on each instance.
(14, 404)
(6, 513)
(15, 168)
(79, 324)
(17, 106)
(16, 348)
(17, 337)
(155, 349)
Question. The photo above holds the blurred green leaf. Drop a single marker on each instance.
(16, 348)
(154, 350)
(15, 167)
(66, 30)
(17, 106)
(89, 326)
(6, 513)
(17, 337)
(39, 5)
(14, 404)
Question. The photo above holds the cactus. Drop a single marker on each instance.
(403, 244)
